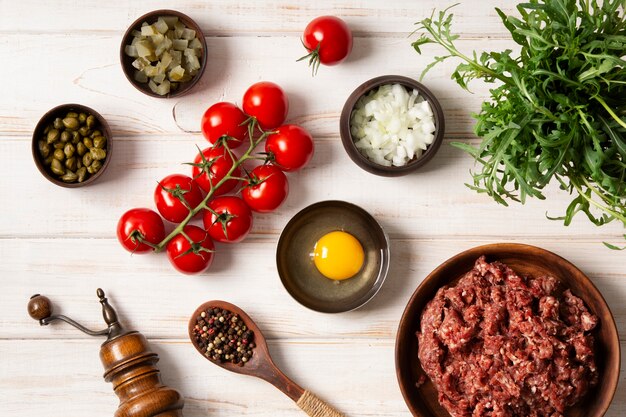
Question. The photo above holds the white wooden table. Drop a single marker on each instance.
(61, 242)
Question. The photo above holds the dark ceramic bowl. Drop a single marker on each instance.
(363, 161)
(48, 118)
(524, 259)
(298, 272)
(127, 61)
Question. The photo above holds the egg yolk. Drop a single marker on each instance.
(338, 255)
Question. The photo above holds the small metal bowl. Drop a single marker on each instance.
(48, 118)
(364, 162)
(298, 272)
(127, 61)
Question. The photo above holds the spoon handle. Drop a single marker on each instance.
(315, 407)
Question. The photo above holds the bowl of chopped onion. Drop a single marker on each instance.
(163, 53)
(391, 125)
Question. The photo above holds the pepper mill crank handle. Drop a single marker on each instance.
(48, 320)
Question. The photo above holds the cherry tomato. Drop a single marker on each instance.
(229, 219)
(268, 103)
(290, 147)
(168, 193)
(218, 162)
(191, 258)
(266, 189)
(328, 40)
(225, 120)
(140, 225)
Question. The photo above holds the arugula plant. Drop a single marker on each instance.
(557, 109)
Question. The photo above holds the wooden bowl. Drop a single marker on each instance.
(363, 161)
(127, 61)
(524, 259)
(60, 111)
(297, 270)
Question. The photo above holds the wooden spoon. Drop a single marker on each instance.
(262, 366)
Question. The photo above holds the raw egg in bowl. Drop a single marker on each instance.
(333, 256)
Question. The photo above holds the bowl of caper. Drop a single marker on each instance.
(72, 145)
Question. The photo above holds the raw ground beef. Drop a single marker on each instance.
(501, 345)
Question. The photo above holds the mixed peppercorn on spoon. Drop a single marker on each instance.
(242, 348)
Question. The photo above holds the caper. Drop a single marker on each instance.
(87, 159)
(59, 145)
(76, 137)
(44, 148)
(81, 148)
(56, 167)
(82, 174)
(69, 150)
(52, 136)
(88, 142)
(72, 114)
(48, 160)
(95, 167)
(58, 123)
(70, 163)
(47, 129)
(71, 123)
(84, 131)
(99, 142)
(66, 136)
(79, 163)
(69, 177)
(95, 133)
(98, 154)
(82, 118)
(59, 154)
(91, 121)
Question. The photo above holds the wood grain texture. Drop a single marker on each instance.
(61, 243)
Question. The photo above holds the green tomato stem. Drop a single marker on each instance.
(203, 205)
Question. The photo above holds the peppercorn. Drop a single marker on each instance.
(223, 337)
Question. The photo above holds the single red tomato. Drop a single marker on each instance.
(226, 122)
(228, 219)
(191, 258)
(211, 166)
(268, 103)
(290, 147)
(328, 40)
(266, 189)
(170, 191)
(140, 225)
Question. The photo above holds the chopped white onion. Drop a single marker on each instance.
(392, 126)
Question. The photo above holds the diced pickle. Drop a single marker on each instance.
(170, 20)
(152, 86)
(195, 44)
(179, 27)
(136, 34)
(151, 71)
(161, 26)
(141, 77)
(157, 39)
(148, 30)
(140, 63)
(159, 78)
(177, 73)
(131, 51)
(188, 34)
(145, 48)
(163, 89)
(180, 44)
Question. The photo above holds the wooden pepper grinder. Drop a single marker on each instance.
(128, 363)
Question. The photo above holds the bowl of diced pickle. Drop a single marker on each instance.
(163, 53)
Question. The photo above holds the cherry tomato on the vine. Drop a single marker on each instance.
(328, 40)
(225, 120)
(268, 103)
(228, 219)
(217, 162)
(290, 147)
(266, 188)
(140, 225)
(191, 258)
(169, 192)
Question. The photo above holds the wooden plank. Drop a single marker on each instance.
(254, 18)
(156, 300)
(405, 206)
(234, 64)
(355, 376)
